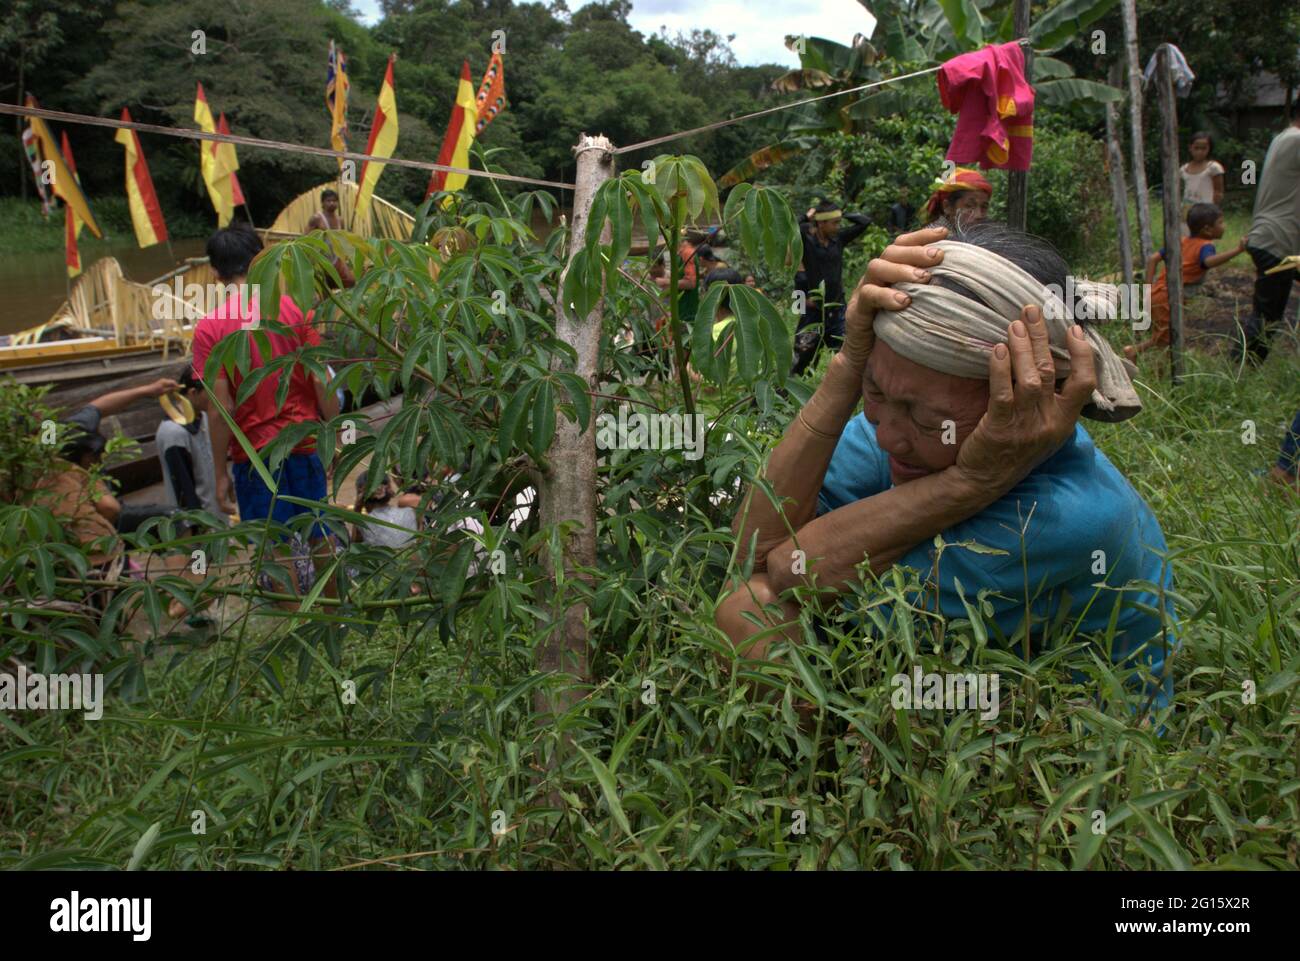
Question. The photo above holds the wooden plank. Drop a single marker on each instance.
(40, 362)
(105, 371)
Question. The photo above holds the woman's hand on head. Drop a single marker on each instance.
(906, 260)
(1027, 418)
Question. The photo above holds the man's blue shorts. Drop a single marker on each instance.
(301, 475)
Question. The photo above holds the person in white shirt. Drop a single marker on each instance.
(1202, 177)
(185, 452)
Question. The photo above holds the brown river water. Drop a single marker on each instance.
(35, 284)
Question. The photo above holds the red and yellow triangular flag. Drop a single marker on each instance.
(65, 184)
(217, 165)
(146, 214)
(382, 143)
(456, 141)
(71, 222)
(227, 159)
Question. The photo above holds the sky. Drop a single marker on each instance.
(759, 25)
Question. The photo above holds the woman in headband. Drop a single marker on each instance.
(822, 278)
(972, 380)
(961, 197)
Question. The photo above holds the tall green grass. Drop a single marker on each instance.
(442, 763)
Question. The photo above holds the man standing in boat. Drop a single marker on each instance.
(261, 418)
(327, 218)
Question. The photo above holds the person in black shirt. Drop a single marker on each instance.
(901, 214)
(824, 241)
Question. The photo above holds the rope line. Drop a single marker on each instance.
(785, 106)
(256, 142)
(187, 134)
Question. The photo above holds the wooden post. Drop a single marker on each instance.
(1018, 181)
(1129, 9)
(1172, 209)
(567, 482)
(1118, 183)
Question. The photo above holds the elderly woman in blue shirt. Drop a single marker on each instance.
(972, 378)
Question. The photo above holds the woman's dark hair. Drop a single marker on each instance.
(363, 480)
(329, 193)
(1202, 135)
(188, 380)
(232, 249)
(723, 275)
(80, 443)
(1034, 255)
(826, 206)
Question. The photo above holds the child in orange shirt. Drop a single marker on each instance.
(1205, 222)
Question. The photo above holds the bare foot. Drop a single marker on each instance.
(1289, 482)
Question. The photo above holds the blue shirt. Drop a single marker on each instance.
(1080, 505)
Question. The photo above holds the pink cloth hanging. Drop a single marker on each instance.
(994, 106)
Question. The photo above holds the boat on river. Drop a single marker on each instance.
(113, 332)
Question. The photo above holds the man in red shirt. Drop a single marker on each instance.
(259, 417)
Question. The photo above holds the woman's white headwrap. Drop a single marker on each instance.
(946, 331)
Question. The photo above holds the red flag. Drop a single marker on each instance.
(382, 143)
(71, 222)
(456, 141)
(146, 214)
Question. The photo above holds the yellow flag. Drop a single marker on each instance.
(214, 166)
(64, 182)
(382, 143)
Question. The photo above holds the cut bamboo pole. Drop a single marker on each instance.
(1129, 8)
(1172, 209)
(568, 478)
(1119, 184)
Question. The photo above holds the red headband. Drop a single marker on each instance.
(960, 179)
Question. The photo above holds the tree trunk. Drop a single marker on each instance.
(1118, 183)
(1129, 8)
(1018, 181)
(568, 480)
(1173, 209)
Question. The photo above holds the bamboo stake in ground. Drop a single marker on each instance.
(1018, 181)
(1129, 8)
(568, 479)
(1118, 183)
(1172, 209)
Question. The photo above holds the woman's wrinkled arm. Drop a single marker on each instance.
(797, 466)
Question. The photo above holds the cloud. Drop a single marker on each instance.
(759, 28)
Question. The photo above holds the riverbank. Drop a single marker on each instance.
(32, 268)
(24, 230)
